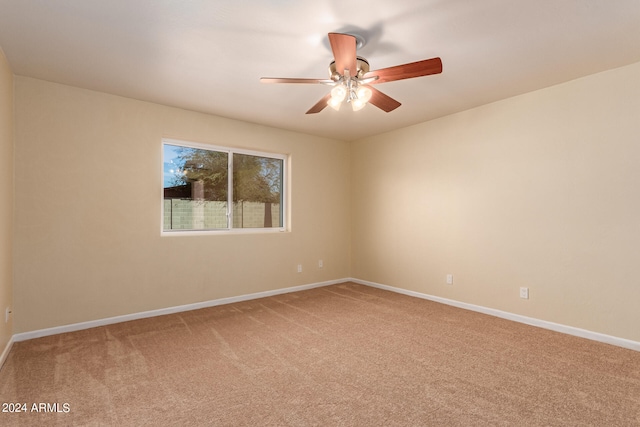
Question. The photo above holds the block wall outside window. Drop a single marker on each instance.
(180, 214)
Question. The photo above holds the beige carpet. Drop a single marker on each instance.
(343, 355)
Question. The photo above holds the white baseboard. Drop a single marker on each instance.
(5, 352)
(595, 336)
(169, 310)
(570, 330)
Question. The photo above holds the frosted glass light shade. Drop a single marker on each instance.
(334, 103)
(357, 104)
(364, 93)
(338, 93)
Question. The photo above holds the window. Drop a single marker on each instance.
(216, 188)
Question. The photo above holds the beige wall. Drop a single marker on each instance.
(538, 190)
(541, 190)
(85, 251)
(6, 197)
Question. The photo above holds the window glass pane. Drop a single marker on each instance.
(195, 188)
(257, 191)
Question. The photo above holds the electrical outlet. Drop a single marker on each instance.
(299, 268)
(320, 263)
(7, 313)
(449, 279)
(524, 293)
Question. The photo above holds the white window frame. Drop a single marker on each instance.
(284, 208)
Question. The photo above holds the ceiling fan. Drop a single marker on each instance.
(351, 79)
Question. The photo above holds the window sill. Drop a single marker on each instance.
(236, 231)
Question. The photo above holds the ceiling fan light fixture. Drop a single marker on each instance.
(351, 92)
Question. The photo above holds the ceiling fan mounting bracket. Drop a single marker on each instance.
(360, 41)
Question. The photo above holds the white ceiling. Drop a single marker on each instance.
(208, 55)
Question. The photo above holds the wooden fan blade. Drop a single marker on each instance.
(294, 80)
(382, 101)
(319, 105)
(407, 71)
(344, 52)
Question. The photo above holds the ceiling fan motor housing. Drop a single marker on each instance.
(362, 69)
